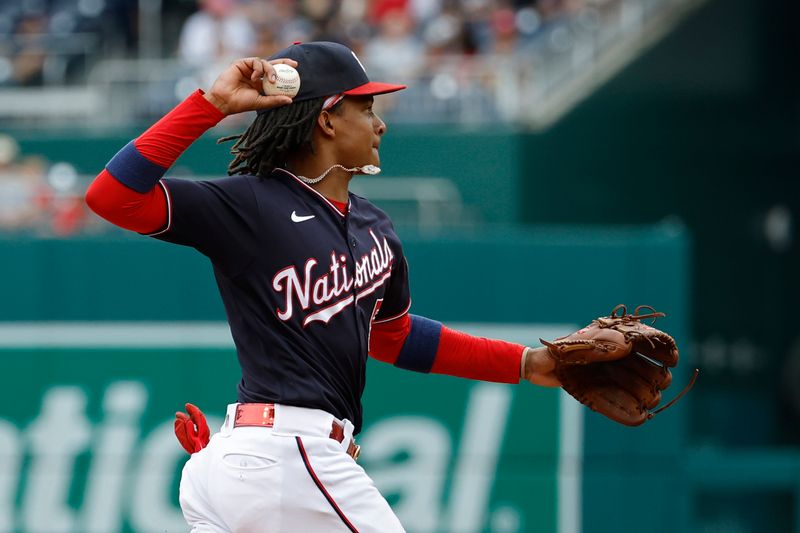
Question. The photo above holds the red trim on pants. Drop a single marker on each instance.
(321, 487)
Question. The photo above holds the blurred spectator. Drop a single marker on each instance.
(284, 20)
(218, 32)
(24, 194)
(267, 41)
(67, 212)
(50, 42)
(395, 52)
(423, 10)
(28, 51)
(121, 24)
(504, 31)
(378, 9)
(445, 35)
(35, 198)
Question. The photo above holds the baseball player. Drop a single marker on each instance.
(313, 280)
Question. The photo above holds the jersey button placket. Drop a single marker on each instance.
(353, 244)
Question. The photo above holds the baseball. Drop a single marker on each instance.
(287, 81)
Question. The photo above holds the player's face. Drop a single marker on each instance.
(358, 133)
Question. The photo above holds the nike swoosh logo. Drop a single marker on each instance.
(298, 218)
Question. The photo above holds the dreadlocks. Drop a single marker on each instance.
(272, 135)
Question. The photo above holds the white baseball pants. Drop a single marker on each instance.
(289, 478)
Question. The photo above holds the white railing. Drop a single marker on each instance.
(427, 204)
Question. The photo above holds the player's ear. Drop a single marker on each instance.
(325, 123)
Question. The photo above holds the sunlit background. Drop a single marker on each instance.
(549, 160)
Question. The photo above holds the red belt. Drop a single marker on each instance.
(263, 415)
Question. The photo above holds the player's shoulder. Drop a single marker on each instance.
(242, 181)
(371, 215)
(235, 182)
(272, 191)
(363, 205)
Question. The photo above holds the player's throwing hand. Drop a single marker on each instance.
(239, 87)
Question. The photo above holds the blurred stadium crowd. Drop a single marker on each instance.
(55, 41)
(124, 63)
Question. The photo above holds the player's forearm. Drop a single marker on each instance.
(143, 161)
(463, 355)
(423, 345)
(124, 193)
(168, 138)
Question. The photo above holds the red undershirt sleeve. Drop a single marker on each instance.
(168, 138)
(463, 355)
(125, 192)
(386, 339)
(126, 208)
(420, 344)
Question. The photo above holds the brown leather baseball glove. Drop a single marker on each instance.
(618, 365)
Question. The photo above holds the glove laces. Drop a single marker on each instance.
(623, 314)
(687, 388)
(636, 316)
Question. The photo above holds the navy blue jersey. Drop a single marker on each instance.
(301, 282)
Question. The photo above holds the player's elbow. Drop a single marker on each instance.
(94, 199)
(102, 196)
(383, 356)
(125, 207)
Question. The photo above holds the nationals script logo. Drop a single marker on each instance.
(371, 271)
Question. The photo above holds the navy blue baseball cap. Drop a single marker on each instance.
(328, 69)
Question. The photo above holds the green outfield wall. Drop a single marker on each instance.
(483, 164)
(102, 340)
(91, 440)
